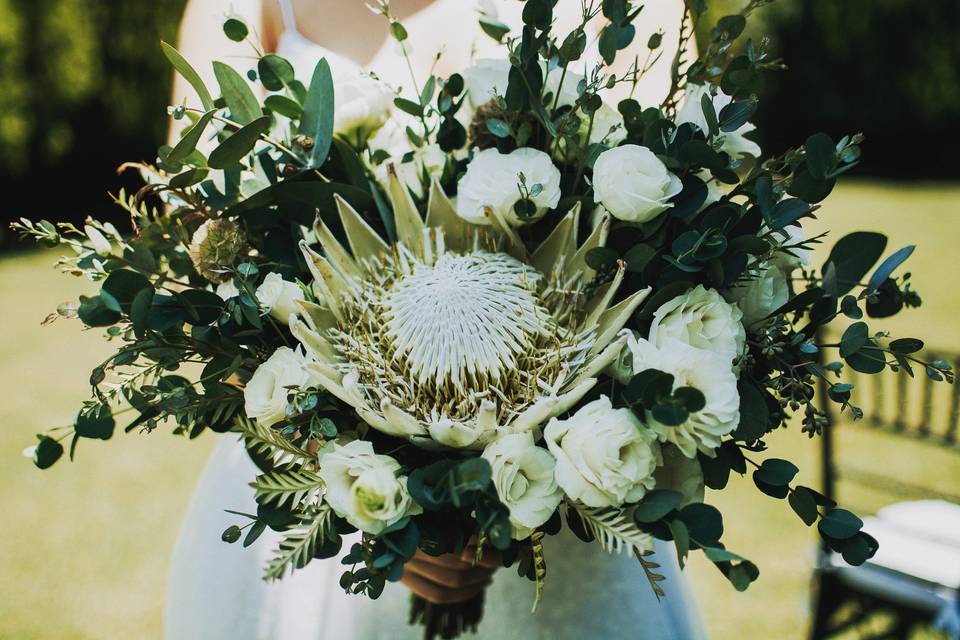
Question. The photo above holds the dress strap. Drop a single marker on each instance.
(289, 17)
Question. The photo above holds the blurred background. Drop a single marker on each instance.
(87, 552)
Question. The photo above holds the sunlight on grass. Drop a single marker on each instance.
(87, 554)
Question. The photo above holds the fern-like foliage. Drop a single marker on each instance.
(300, 545)
(539, 566)
(267, 441)
(287, 485)
(649, 569)
(614, 529)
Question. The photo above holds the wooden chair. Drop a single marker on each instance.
(913, 581)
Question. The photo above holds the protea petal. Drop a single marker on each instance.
(558, 248)
(405, 215)
(616, 317)
(578, 264)
(364, 241)
(333, 250)
(458, 234)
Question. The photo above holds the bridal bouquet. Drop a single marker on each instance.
(488, 305)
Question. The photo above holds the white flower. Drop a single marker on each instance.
(792, 256)
(681, 474)
(98, 241)
(485, 79)
(492, 181)
(703, 370)
(363, 105)
(700, 318)
(607, 126)
(633, 184)
(279, 297)
(523, 475)
(715, 190)
(691, 110)
(265, 395)
(605, 456)
(761, 295)
(364, 487)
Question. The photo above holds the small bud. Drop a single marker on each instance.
(304, 142)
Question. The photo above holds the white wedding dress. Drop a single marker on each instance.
(215, 589)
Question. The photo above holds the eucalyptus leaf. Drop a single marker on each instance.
(239, 144)
(242, 103)
(318, 109)
(189, 74)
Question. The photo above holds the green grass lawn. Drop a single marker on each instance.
(87, 544)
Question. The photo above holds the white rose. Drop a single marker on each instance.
(493, 178)
(279, 296)
(486, 79)
(700, 318)
(632, 184)
(703, 370)
(364, 487)
(523, 475)
(363, 105)
(762, 295)
(605, 456)
(791, 256)
(607, 126)
(681, 474)
(265, 395)
(691, 110)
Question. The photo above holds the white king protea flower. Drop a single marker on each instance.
(456, 334)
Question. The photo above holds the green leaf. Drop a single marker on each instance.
(736, 114)
(242, 103)
(235, 29)
(906, 345)
(202, 307)
(284, 106)
(840, 524)
(124, 285)
(786, 212)
(776, 472)
(188, 178)
(97, 424)
(859, 549)
(191, 136)
(47, 452)
(498, 127)
(867, 360)
(189, 74)
(690, 398)
(670, 415)
(854, 338)
(887, 267)
(239, 144)
(275, 72)
(821, 155)
(656, 504)
(231, 534)
(754, 413)
(853, 256)
(600, 257)
(408, 106)
(317, 120)
(638, 257)
(803, 504)
(97, 312)
(681, 539)
(703, 521)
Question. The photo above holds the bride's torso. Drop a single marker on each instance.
(451, 28)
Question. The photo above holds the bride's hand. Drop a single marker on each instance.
(450, 578)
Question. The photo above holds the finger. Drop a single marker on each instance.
(446, 560)
(435, 593)
(453, 578)
(489, 559)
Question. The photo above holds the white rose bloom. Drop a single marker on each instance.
(492, 180)
(364, 487)
(703, 370)
(605, 456)
(633, 184)
(265, 395)
(691, 110)
(790, 237)
(681, 474)
(523, 475)
(486, 79)
(279, 296)
(607, 126)
(701, 318)
(762, 295)
(363, 105)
